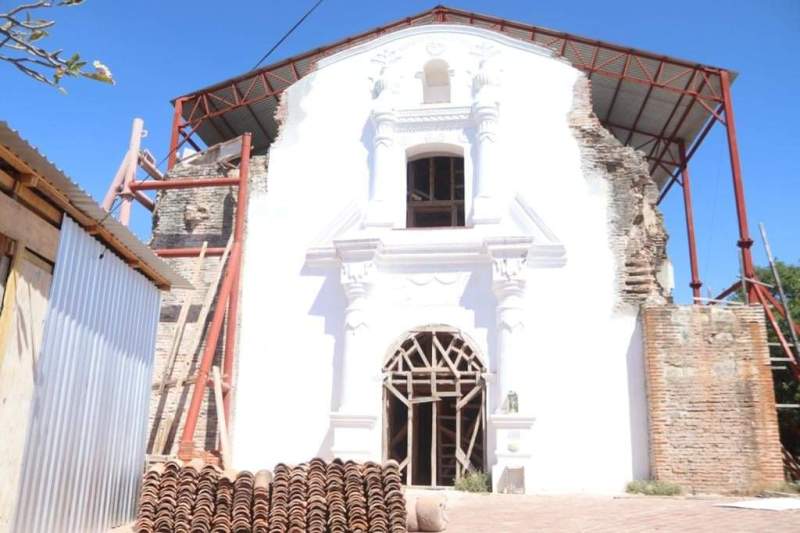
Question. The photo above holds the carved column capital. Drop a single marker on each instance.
(357, 279)
(384, 120)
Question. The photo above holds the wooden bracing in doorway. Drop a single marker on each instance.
(435, 372)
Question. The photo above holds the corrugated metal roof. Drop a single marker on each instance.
(653, 108)
(82, 201)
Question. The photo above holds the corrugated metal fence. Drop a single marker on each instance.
(86, 439)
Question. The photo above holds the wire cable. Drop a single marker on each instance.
(287, 34)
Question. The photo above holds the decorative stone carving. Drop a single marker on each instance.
(486, 113)
(435, 48)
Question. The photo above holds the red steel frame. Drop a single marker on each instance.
(227, 301)
(693, 83)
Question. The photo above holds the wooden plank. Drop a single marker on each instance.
(29, 198)
(180, 326)
(222, 425)
(397, 393)
(421, 352)
(410, 431)
(444, 355)
(21, 329)
(466, 399)
(21, 224)
(478, 423)
(434, 421)
(458, 428)
(211, 293)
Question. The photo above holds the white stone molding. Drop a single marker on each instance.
(434, 117)
(432, 29)
(352, 435)
(512, 451)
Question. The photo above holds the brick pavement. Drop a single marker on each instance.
(475, 513)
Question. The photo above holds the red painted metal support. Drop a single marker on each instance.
(695, 284)
(745, 242)
(188, 252)
(183, 184)
(225, 302)
(177, 119)
(228, 365)
(187, 437)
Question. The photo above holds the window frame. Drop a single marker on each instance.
(455, 205)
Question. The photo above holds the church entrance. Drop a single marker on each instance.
(434, 401)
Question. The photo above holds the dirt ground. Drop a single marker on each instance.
(499, 513)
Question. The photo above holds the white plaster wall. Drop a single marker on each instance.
(583, 373)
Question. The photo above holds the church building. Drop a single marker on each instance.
(453, 258)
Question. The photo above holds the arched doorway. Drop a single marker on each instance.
(434, 402)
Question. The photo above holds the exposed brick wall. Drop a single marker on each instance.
(187, 218)
(713, 425)
(636, 227)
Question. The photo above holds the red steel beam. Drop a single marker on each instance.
(232, 322)
(187, 252)
(759, 292)
(695, 284)
(225, 302)
(183, 184)
(177, 118)
(589, 65)
(187, 436)
(744, 242)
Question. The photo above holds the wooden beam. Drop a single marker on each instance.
(397, 394)
(180, 326)
(222, 424)
(63, 203)
(21, 224)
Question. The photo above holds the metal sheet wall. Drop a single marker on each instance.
(87, 434)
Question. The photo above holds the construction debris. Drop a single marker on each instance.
(317, 497)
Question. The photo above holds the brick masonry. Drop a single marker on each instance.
(187, 218)
(636, 227)
(713, 424)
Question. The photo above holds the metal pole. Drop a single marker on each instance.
(228, 365)
(130, 171)
(779, 285)
(187, 437)
(177, 118)
(129, 159)
(695, 284)
(745, 242)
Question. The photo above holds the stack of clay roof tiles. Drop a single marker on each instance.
(316, 497)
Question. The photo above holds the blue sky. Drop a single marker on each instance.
(161, 49)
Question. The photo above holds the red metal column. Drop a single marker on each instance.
(695, 284)
(228, 365)
(745, 242)
(177, 118)
(187, 437)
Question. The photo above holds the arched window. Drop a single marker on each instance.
(435, 196)
(435, 82)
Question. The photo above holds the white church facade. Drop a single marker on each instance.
(432, 273)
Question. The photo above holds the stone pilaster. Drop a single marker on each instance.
(510, 423)
(486, 112)
(354, 423)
